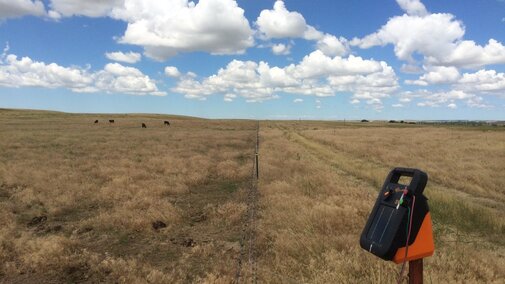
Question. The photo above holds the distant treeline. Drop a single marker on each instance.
(449, 122)
(466, 122)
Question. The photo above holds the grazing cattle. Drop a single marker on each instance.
(144, 125)
(167, 123)
(96, 121)
(111, 120)
(364, 120)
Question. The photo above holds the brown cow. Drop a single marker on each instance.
(144, 125)
(167, 123)
(96, 121)
(111, 120)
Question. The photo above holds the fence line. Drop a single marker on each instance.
(248, 240)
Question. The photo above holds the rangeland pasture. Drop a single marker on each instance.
(100, 187)
(100, 202)
(320, 179)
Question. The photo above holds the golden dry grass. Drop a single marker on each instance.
(319, 183)
(102, 186)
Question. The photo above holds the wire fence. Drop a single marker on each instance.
(248, 240)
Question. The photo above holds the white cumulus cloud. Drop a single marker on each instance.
(172, 71)
(114, 78)
(474, 85)
(162, 28)
(229, 97)
(483, 81)
(281, 23)
(317, 64)
(316, 75)
(281, 49)
(437, 37)
(332, 46)
(413, 7)
(129, 57)
(469, 54)
(437, 75)
(431, 35)
(25, 72)
(89, 8)
(19, 8)
(450, 98)
(165, 28)
(371, 88)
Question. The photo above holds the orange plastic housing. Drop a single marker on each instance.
(423, 245)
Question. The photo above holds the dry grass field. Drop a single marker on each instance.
(320, 180)
(78, 199)
(86, 203)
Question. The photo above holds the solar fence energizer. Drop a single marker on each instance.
(399, 227)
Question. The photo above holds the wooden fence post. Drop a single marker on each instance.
(416, 271)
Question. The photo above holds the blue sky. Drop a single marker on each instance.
(403, 59)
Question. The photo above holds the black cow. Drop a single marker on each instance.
(144, 125)
(96, 121)
(167, 123)
(111, 120)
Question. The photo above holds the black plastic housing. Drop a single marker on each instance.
(386, 229)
